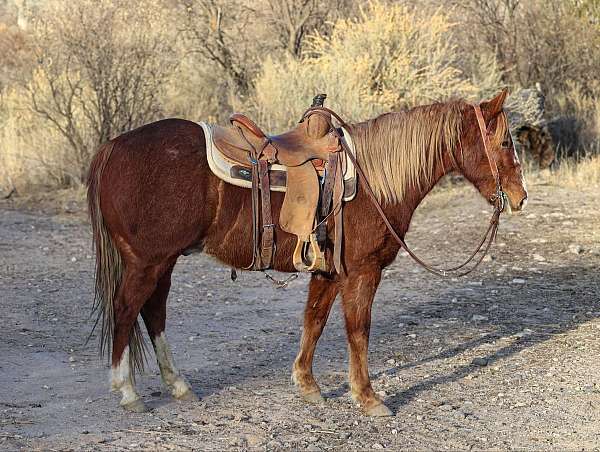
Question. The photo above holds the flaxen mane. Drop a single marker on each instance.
(399, 150)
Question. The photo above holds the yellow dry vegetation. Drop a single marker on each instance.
(388, 58)
(580, 173)
(85, 71)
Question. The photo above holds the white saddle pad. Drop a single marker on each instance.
(221, 166)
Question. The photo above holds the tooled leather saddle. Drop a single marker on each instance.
(307, 164)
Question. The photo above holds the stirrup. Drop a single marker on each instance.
(308, 256)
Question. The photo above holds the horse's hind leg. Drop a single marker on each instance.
(136, 287)
(154, 314)
(321, 295)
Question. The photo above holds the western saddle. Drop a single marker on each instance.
(314, 184)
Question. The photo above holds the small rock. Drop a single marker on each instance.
(518, 281)
(525, 332)
(72, 359)
(482, 362)
(73, 259)
(575, 249)
(479, 318)
(391, 361)
(313, 448)
(538, 257)
(377, 446)
(253, 440)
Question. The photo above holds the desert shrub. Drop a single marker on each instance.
(578, 123)
(94, 77)
(553, 43)
(31, 154)
(78, 73)
(391, 56)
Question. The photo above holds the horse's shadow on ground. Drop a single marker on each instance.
(570, 295)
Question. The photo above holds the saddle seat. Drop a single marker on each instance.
(292, 148)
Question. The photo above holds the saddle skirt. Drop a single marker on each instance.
(238, 174)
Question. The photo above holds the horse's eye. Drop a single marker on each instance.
(506, 144)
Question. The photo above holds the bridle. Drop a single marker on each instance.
(499, 199)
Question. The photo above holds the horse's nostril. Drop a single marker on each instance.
(523, 203)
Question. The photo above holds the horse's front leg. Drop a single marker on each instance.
(358, 290)
(321, 295)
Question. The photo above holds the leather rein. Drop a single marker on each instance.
(499, 199)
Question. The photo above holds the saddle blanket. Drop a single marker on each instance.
(241, 175)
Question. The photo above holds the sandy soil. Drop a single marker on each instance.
(504, 359)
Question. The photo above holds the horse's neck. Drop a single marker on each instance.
(400, 214)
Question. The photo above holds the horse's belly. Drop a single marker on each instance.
(230, 237)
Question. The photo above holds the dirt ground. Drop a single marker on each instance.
(504, 359)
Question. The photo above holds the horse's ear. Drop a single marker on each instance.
(494, 106)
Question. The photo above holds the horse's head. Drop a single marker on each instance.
(474, 162)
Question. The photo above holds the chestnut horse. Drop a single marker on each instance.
(152, 197)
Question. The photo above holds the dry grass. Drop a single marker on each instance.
(572, 173)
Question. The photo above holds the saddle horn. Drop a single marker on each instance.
(318, 126)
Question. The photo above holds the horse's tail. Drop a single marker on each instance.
(109, 266)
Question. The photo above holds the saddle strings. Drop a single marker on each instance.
(490, 234)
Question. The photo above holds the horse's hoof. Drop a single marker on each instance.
(379, 411)
(313, 397)
(135, 406)
(188, 396)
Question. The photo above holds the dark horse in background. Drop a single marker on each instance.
(152, 196)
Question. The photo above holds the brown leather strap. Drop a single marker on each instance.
(326, 196)
(258, 263)
(491, 232)
(338, 195)
(267, 241)
(486, 145)
(254, 265)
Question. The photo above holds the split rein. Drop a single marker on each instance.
(499, 198)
